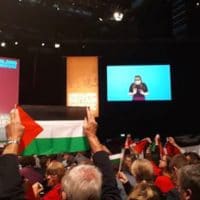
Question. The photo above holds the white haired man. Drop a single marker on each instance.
(82, 182)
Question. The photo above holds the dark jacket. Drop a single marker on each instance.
(110, 190)
(11, 187)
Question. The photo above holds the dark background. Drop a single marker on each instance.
(43, 82)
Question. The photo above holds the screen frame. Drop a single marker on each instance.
(170, 82)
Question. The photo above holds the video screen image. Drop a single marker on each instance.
(139, 82)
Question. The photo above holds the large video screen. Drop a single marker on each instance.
(139, 82)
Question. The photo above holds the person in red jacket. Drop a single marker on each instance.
(54, 173)
(164, 180)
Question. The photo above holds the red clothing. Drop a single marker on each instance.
(29, 194)
(156, 169)
(54, 193)
(164, 183)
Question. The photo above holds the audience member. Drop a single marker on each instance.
(189, 182)
(28, 170)
(164, 181)
(10, 179)
(178, 161)
(82, 182)
(54, 173)
(142, 170)
(144, 191)
(192, 157)
(91, 176)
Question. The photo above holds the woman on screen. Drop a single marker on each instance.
(138, 90)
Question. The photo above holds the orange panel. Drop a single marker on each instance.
(82, 82)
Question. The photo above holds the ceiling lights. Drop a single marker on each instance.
(118, 16)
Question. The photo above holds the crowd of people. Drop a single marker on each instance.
(148, 170)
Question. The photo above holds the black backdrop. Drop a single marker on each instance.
(177, 117)
(43, 82)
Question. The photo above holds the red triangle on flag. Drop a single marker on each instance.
(31, 129)
(140, 146)
(171, 149)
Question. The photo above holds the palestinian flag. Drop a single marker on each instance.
(140, 146)
(51, 137)
(171, 150)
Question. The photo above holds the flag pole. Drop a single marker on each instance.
(121, 158)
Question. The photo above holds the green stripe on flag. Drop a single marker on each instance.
(47, 146)
(115, 158)
(116, 161)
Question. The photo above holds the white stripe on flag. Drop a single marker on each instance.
(61, 129)
(115, 156)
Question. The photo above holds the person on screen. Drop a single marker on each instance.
(138, 90)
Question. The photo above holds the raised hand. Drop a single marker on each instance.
(14, 129)
(90, 124)
(90, 129)
(14, 132)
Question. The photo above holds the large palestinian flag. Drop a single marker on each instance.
(51, 137)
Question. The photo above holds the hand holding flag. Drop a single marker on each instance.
(90, 124)
(14, 129)
(128, 142)
(14, 132)
(171, 147)
(90, 129)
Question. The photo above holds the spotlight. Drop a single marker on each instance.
(16, 43)
(118, 16)
(57, 45)
(122, 135)
(197, 3)
(56, 6)
(42, 44)
(100, 19)
(3, 44)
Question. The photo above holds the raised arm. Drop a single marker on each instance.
(10, 179)
(101, 159)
